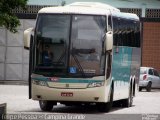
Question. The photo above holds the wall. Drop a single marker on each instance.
(13, 57)
(151, 44)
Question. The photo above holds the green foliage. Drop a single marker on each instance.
(7, 18)
(63, 3)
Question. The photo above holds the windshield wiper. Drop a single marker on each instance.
(78, 63)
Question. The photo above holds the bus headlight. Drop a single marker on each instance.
(95, 84)
(37, 82)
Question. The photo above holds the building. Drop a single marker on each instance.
(14, 58)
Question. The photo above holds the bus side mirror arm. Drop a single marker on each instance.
(109, 40)
(27, 36)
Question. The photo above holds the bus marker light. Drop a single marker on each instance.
(54, 79)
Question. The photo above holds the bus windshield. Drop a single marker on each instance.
(69, 45)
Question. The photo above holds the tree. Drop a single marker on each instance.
(63, 3)
(7, 18)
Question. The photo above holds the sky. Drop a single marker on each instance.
(58, 2)
(115, 3)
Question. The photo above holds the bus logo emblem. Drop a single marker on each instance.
(67, 85)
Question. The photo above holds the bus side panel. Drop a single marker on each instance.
(136, 63)
(121, 71)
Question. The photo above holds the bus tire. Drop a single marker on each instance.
(46, 105)
(129, 101)
(105, 107)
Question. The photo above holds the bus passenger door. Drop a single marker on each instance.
(28, 41)
(30, 67)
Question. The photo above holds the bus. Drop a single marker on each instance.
(85, 53)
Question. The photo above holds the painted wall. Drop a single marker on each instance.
(14, 58)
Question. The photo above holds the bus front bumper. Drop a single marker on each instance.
(95, 94)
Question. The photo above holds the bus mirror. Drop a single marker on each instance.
(27, 37)
(109, 40)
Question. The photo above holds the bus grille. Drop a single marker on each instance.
(68, 85)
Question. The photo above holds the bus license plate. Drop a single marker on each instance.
(66, 94)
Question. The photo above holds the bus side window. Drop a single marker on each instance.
(115, 30)
(132, 34)
(129, 36)
(109, 23)
(137, 34)
(120, 27)
(125, 40)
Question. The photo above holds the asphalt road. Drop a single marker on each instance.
(146, 106)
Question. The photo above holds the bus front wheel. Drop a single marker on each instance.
(46, 105)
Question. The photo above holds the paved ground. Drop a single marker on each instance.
(16, 97)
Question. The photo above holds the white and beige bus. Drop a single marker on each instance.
(83, 53)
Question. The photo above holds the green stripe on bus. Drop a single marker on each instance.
(61, 80)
